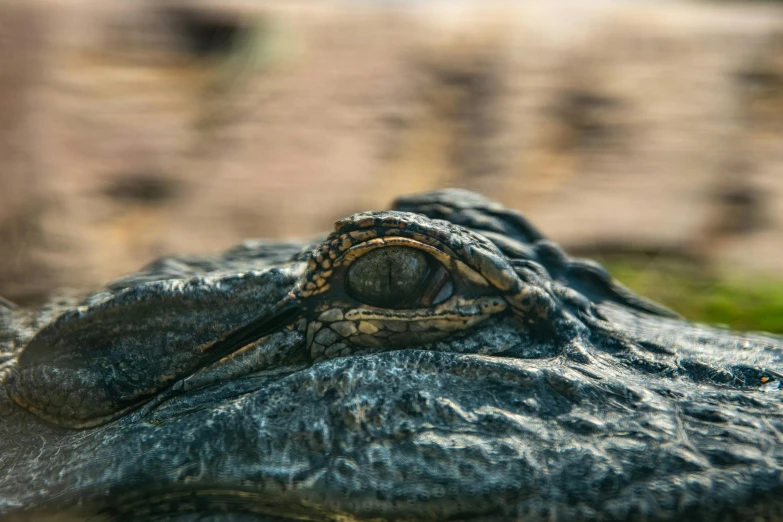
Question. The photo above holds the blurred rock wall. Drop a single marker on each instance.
(138, 129)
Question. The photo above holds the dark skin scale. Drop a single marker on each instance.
(510, 382)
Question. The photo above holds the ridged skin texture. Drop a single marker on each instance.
(570, 399)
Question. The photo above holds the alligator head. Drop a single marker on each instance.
(439, 361)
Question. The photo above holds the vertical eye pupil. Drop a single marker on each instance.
(391, 277)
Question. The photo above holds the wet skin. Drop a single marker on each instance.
(439, 361)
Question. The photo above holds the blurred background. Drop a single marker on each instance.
(647, 135)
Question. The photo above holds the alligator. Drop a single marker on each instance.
(439, 361)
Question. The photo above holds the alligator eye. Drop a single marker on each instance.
(398, 277)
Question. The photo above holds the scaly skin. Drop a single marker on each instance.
(512, 383)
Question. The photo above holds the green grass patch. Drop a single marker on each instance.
(701, 295)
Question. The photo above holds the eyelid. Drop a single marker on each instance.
(441, 253)
(359, 250)
(446, 291)
(444, 286)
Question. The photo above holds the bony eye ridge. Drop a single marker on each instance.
(398, 277)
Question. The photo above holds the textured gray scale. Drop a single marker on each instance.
(612, 411)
